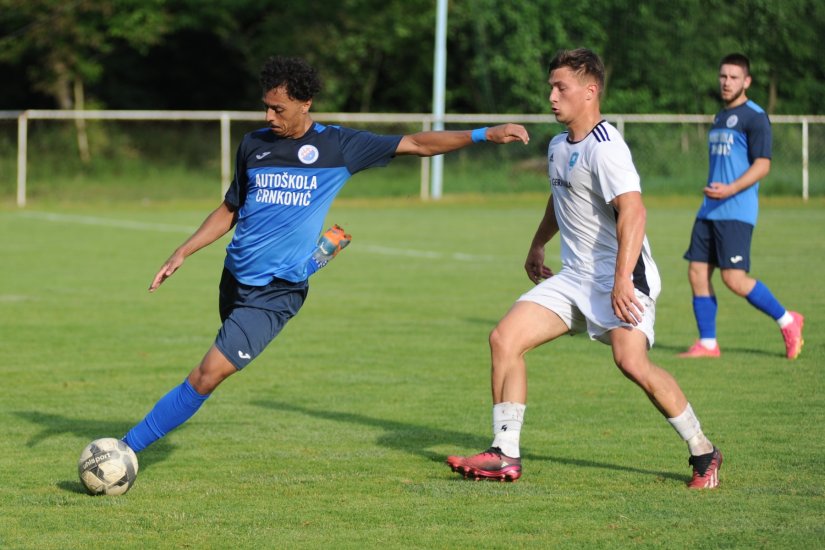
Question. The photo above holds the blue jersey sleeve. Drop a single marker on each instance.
(362, 150)
(236, 194)
(759, 138)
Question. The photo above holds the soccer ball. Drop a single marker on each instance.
(107, 466)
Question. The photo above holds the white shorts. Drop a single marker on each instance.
(583, 303)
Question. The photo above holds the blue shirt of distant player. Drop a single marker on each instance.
(737, 138)
(283, 189)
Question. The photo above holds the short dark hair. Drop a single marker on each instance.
(300, 78)
(738, 59)
(582, 61)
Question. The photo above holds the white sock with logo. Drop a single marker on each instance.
(687, 426)
(507, 420)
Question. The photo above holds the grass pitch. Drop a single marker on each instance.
(335, 437)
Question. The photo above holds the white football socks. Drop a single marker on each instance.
(785, 320)
(507, 420)
(687, 426)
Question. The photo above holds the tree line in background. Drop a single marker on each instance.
(377, 55)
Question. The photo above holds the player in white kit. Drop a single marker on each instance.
(608, 283)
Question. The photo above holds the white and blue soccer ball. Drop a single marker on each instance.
(107, 466)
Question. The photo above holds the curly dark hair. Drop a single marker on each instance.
(300, 78)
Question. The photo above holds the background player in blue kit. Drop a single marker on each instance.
(286, 177)
(740, 156)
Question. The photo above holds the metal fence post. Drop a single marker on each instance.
(426, 126)
(225, 153)
(805, 174)
(22, 152)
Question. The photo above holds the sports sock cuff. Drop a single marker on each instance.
(763, 299)
(508, 411)
(508, 418)
(172, 410)
(686, 424)
(192, 395)
(704, 309)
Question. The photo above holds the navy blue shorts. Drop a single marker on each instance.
(723, 243)
(254, 315)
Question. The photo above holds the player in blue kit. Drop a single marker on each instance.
(740, 156)
(286, 177)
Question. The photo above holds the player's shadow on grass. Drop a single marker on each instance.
(52, 425)
(416, 440)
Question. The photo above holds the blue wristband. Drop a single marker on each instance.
(479, 134)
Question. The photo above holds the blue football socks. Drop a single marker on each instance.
(704, 309)
(763, 299)
(173, 409)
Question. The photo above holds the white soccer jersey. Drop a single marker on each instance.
(584, 177)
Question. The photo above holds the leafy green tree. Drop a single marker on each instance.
(377, 55)
(69, 39)
(782, 41)
(374, 55)
(496, 56)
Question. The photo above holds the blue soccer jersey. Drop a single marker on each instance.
(283, 189)
(737, 138)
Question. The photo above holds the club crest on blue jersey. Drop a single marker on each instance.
(732, 121)
(308, 154)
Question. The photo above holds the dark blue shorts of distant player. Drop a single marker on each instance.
(723, 243)
(254, 315)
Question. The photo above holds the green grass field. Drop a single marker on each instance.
(336, 436)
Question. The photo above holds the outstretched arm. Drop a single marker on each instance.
(215, 226)
(534, 265)
(427, 144)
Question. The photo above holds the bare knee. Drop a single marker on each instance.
(212, 370)
(699, 275)
(631, 370)
(496, 339)
(636, 367)
(503, 344)
(738, 281)
(204, 382)
(659, 385)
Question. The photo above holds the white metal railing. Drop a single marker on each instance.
(225, 118)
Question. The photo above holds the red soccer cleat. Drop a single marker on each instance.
(705, 470)
(491, 464)
(792, 334)
(698, 350)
